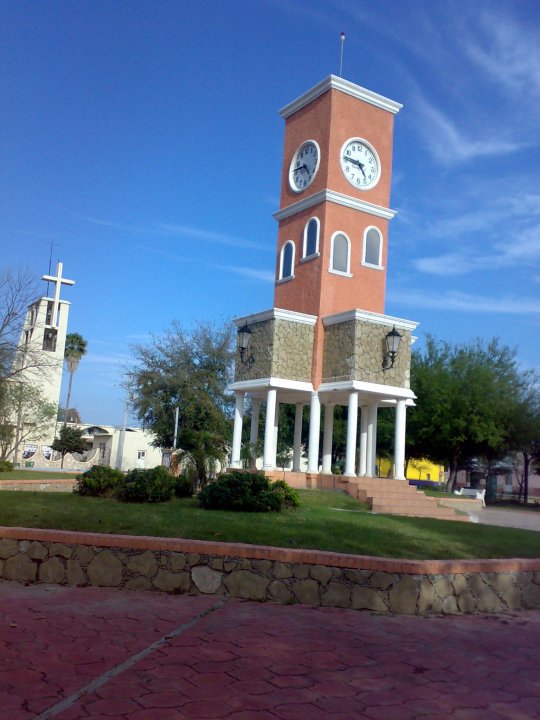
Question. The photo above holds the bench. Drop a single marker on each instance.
(472, 493)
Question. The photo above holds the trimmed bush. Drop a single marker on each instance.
(6, 466)
(146, 486)
(183, 487)
(247, 492)
(99, 481)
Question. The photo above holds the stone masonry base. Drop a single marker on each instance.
(263, 573)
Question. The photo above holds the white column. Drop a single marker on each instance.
(276, 430)
(352, 423)
(254, 429)
(268, 452)
(362, 445)
(297, 445)
(237, 430)
(327, 438)
(399, 440)
(314, 430)
(371, 450)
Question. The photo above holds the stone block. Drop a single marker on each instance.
(74, 573)
(105, 570)
(403, 596)
(36, 551)
(322, 574)
(206, 579)
(336, 595)
(229, 565)
(365, 598)
(216, 563)
(301, 572)
(530, 596)
(52, 571)
(459, 584)
(427, 597)
(84, 553)
(178, 561)
(466, 602)
(172, 582)
(138, 583)
(279, 592)
(449, 605)
(381, 580)
(282, 570)
(502, 582)
(306, 592)
(143, 564)
(511, 597)
(443, 587)
(20, 568)
(193, 559)
(247, 585)
(8, 548)
(359, 577)
(262, 566)
(61, 550)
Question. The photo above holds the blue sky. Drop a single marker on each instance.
(132, 135)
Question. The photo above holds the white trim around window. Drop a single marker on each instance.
(372, 248)
(282, 268)
(347, 272)
(312, 222)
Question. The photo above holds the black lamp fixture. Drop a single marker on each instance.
(392, 341)
(244, 341)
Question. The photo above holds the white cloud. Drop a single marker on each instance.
(264, 275)
(465, 302)
(450, 145)
(444, 265)
(188, 231)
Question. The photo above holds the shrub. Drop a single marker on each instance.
(6, 466)
(247, 492)
(99, 481)
(156, 485)
(183, 486)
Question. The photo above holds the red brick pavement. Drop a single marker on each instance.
(98, 654)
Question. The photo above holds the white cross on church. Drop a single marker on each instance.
(58, 280)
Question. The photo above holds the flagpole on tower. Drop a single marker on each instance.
(342, 38)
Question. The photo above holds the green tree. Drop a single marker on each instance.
(24, 414)
(75, 349)
(69, 440)
(189, 370)
(464, 393)
(523, 433)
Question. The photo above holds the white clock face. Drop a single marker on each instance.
(304, 165)
(360, 164)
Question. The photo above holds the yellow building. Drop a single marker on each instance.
(423, 470)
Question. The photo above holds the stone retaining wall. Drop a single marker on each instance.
(263, 573)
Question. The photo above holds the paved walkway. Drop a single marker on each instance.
(95, 653)
(523, 519)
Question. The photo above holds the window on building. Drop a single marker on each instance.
(102, 450)
(372, 247)
(49, 314)
(286, 263)
(311, 238)
(49, 340)
(340, 255)
(141, 454)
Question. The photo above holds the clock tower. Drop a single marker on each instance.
(327, 340)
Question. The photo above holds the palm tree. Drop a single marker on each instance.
(75, 349)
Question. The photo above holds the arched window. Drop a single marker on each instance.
(372, 247)
(286, 261)
(311, 238)
(340, 254)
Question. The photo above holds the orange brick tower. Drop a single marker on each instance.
(326, 340)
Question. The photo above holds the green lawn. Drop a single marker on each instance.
(36, 475)
(326, 521)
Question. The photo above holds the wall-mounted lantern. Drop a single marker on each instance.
(244, 342)
(392, 341)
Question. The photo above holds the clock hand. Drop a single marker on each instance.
(301, 167)
(355, 162)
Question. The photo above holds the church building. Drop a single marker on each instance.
(327, 341)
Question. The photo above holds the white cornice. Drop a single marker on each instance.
(332, 82)
(338, 199)
(271, 382)
(277, 314)
(385, 391)
(366, 316)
